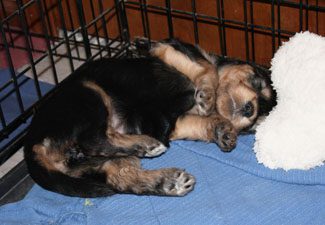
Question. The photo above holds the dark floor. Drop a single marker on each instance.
(15, 184)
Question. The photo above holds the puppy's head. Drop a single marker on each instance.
(245, 94)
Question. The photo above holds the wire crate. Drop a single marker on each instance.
(43, 41)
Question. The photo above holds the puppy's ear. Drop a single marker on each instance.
(257, 83)
(261, 82)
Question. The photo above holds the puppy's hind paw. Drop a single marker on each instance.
(155, 150)
(178, 183)
(148, 147)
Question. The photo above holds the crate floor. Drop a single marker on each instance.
(231, 189)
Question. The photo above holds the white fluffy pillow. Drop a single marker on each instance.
(293, 135)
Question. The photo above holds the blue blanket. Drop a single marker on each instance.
(10, 105)
(231, 188)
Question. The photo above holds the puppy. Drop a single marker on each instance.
(232, 96)
(87, 139)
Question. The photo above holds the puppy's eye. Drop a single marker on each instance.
(248, 109)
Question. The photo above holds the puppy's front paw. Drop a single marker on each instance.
(205, 95)
(205, 101)
(177, 182)
(225, 136)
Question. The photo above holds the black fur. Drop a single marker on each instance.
(146, 94)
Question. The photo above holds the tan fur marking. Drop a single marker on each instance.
(245, 92)
(55, 159)
(235, 73)
(178, 60)
(235, 90)
(113, 122)
(49, 159)
(202, 73)
(130, 141)
(240, 73)
(266, 92)
(210, 72)
(211, 129)
(123, 140)
(231, 100)
(183, 63)
(106, 99)
(116, 138)
(190, 127)
(113, 136)
(194, 127)
(125, 174)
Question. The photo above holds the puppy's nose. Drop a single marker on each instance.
(248, 109)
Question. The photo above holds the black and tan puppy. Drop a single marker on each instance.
(231, 96)
(88, 138)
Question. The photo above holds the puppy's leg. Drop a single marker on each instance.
(112, 143)
(125, 175)
(143, 145)
(109, 142)
(205, 96)
(106, 176)
(201, 72)
(212, 129)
